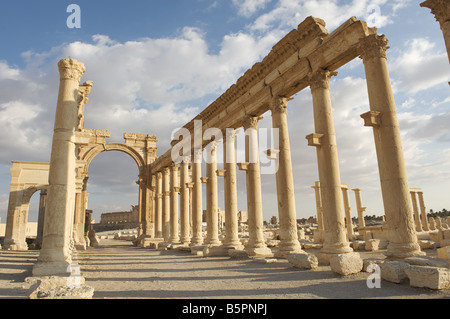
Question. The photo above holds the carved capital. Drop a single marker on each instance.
(373, 46)
(230, 134)
(158, 175)
(440, 9)
(321, 79)
(70, 69)
(251, 122)
(278, 105)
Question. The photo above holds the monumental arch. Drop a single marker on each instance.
(307, 57)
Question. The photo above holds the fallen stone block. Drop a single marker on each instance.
(263, 260)
(303, 261)
(394, 271)
(372, 245)
(358, 245)
(428, 277)
(346, 264)
(444, 252)
(370, 261)
(427, 261)
(237, 254)
(427, 244)
(272, 243)
(55, 287)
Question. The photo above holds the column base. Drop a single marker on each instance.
(15, 246)
(80, 246)
(59, 287)
(259, 251)
(234, 245)
(52, 268)
(402, 251)
(287, 247)
(329, 251)
(196, 242)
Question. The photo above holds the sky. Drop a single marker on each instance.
(156, 64)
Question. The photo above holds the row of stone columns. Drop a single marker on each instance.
(421, 220)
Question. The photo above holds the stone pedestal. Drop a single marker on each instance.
(391, 164)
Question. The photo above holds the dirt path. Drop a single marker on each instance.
(118, 270)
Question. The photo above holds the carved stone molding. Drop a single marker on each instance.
(279, 105)
(251, 122)
(321, 79)
(373, 46)
(70, 69)
(440, 9)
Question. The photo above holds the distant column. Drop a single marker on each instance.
(347, 208)
(318, 205)
(41, 218)
(391, 164)
(197, 207)
(416, 210)
(184, 200)
(159, 205)
(166, 204)
(359, 207)
(423, 211)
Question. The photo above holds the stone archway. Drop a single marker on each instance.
(140, 147)
(26, 179)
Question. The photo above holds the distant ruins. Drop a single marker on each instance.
(170, 192)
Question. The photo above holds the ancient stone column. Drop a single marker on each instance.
(359, 208)
(319, 209)
(423, 211)
(230, 191)
(184, 201)
(391, 163)
(174, 190)
(55, 257)
(441, 11)
(335, 239)
(416, 210)
(284, 179)
(256, 245)
(159, 205)
(197, 208)
(212, 205)
(166, 204)
(41, 218)
(347, 208)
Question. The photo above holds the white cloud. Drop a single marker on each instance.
(247, 8)
(419, 67)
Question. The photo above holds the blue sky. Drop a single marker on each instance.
(156, 64)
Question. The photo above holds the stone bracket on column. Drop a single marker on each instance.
(372, 118)
(272, 154)
(176, 189)
(243, 166)
(204, 179)
(314, 139)
(221, 172)
(190, 185)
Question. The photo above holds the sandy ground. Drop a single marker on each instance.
(117, 269)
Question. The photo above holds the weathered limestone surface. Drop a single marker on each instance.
(303, 261)
(346, 264)
(428, 277)
(394, 271)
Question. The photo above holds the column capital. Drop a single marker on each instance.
(186, 160)
(321, 79)
(230, 133)
(440, 9)
(166, 170)
(174, 166)
(158, 174)
(279, 104)
(251, 122)
(373, 46)
(71, 69)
